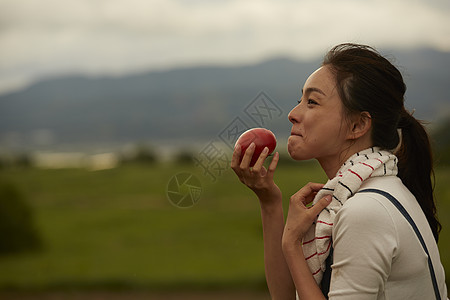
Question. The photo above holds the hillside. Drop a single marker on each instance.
(186, 104)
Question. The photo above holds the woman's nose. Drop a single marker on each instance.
(294, 115)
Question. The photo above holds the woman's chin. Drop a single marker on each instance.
(293, 149)
(296, 153)
(298, 157)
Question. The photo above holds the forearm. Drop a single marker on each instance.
(260, 180)
(299, 220)
(279, 280)
(305, 283)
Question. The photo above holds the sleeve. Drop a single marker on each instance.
(365, 243)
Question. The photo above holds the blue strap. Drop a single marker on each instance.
(416, 230)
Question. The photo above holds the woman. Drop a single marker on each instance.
(350, 118)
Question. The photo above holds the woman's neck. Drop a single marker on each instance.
(332, 164)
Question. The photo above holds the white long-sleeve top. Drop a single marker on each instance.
(377, 255)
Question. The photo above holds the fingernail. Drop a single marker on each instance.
(236, 146)
(266, 149)
(329, 198)
(252, 145)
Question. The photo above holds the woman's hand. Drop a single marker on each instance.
(257, 178)
(300, 217)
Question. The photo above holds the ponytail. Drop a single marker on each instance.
(415, 166)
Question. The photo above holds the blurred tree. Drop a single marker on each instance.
(23, 160)
(17, 230)
(141, 154)
(145, 154)
(184, 157)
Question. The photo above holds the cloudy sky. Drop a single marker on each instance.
(40, 38)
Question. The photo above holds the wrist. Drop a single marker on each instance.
(291, 240)
(292, 250)
(271, 205)
(272, 209)
(269, 195)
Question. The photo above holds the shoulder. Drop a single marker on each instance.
(365, 213)
(367, 216)
(365, 208)
(373, 206)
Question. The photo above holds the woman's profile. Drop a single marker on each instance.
(372, 229)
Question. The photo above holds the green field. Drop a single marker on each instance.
(115, 229)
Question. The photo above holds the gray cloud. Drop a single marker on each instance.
(49, 37)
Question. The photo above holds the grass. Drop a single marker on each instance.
(115, 229)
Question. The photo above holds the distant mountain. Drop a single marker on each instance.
(187, 104)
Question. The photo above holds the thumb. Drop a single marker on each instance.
(321, 204)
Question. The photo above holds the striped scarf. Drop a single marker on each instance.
(371, 162)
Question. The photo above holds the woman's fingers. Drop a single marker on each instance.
(320, 205)
(257, 177)
(273, 164)
(259, 163)
(311, 187)
(236, 156)
(306, 194)
(300, 218)
(245, 163)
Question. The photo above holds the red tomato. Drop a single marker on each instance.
(261, 137)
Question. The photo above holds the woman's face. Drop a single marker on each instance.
(318, 126)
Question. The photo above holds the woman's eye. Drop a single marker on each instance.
(309, 102)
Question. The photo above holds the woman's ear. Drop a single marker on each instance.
(361, 125)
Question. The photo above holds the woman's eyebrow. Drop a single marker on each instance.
(313, 89)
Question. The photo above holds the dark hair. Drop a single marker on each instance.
(368, 82)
